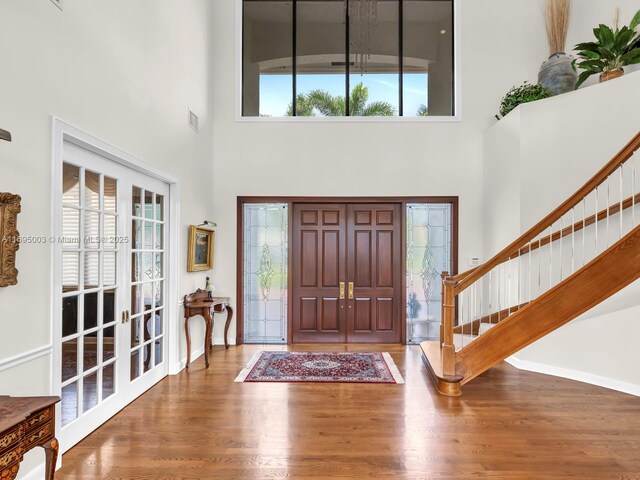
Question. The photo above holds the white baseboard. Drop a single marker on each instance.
(197, 353)
(35, 474)
(605, 382)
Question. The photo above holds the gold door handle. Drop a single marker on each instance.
(350, 290)
(341, 290)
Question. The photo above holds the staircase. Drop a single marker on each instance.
(576, 257)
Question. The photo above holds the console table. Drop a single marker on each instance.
(25, 423)
(200, 303)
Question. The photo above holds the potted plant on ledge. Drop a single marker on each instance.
(557, 73)
(612, 50)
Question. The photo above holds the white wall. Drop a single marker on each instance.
(357, 158)
(125, 71)
(552, 147)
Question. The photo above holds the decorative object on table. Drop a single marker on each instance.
(557, 73)
(613, 49)
(201, 243)
(209, 288)
(5, 135)
(338, 367)
(9, 242)
(523, 94)
(26, 423)
(200, 303)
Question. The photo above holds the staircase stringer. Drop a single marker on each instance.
(611, 271)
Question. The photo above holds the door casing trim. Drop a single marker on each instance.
(65, 132)
(241, 200)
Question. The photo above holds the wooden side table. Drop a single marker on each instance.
(199, 303)
(26, 423)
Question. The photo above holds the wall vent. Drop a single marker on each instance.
(57, 3)
(193, 121)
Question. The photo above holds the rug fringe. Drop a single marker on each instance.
(242, 376)
(392, 367)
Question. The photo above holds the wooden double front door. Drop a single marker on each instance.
(347, 273)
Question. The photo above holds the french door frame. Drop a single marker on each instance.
(64, 132)
(290, 201)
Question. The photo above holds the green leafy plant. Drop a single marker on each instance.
(322, 102)
(423, 111)
(614, 49)
(523, 94)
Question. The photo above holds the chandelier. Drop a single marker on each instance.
(363, 20)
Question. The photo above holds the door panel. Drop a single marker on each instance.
(374, 264)
(115, 240)
(347, 243)
(319, 249)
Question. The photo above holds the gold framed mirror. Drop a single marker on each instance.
(9, 242)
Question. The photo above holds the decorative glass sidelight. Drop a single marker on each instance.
(265, 272)
(429, 248)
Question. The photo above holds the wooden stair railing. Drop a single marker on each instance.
(522, 317)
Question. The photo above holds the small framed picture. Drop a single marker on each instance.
(201, 243)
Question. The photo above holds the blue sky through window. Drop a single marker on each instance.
(275, 90)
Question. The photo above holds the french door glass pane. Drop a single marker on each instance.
(71, 226)
(147, 290)
(265, 272)
(429, 247)
(88, 308)
(90, 391)
(69, 403)
(108, 380)
(70, 185)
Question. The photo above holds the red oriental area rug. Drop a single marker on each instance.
(341, 367)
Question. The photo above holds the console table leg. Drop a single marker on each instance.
(207, 336)
(51, 451)
(188, 338)
(226, 326)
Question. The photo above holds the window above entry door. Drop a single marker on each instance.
(335, 60)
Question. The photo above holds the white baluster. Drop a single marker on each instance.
(596, 225)
(633, 189)
(509, 286)
(608, 208)
(621, 197)
(573, 239)
(561, 242)
(550, 256)
(539, 266)
(499, 267)
(490, 296)
(584, 227)
(530, 255)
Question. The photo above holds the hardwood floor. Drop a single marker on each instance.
(508, 424)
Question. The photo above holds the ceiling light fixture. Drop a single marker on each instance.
(363, 21)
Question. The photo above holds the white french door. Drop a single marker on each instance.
(112, 258)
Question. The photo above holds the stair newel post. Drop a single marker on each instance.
(448, 347)
(443, 276)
